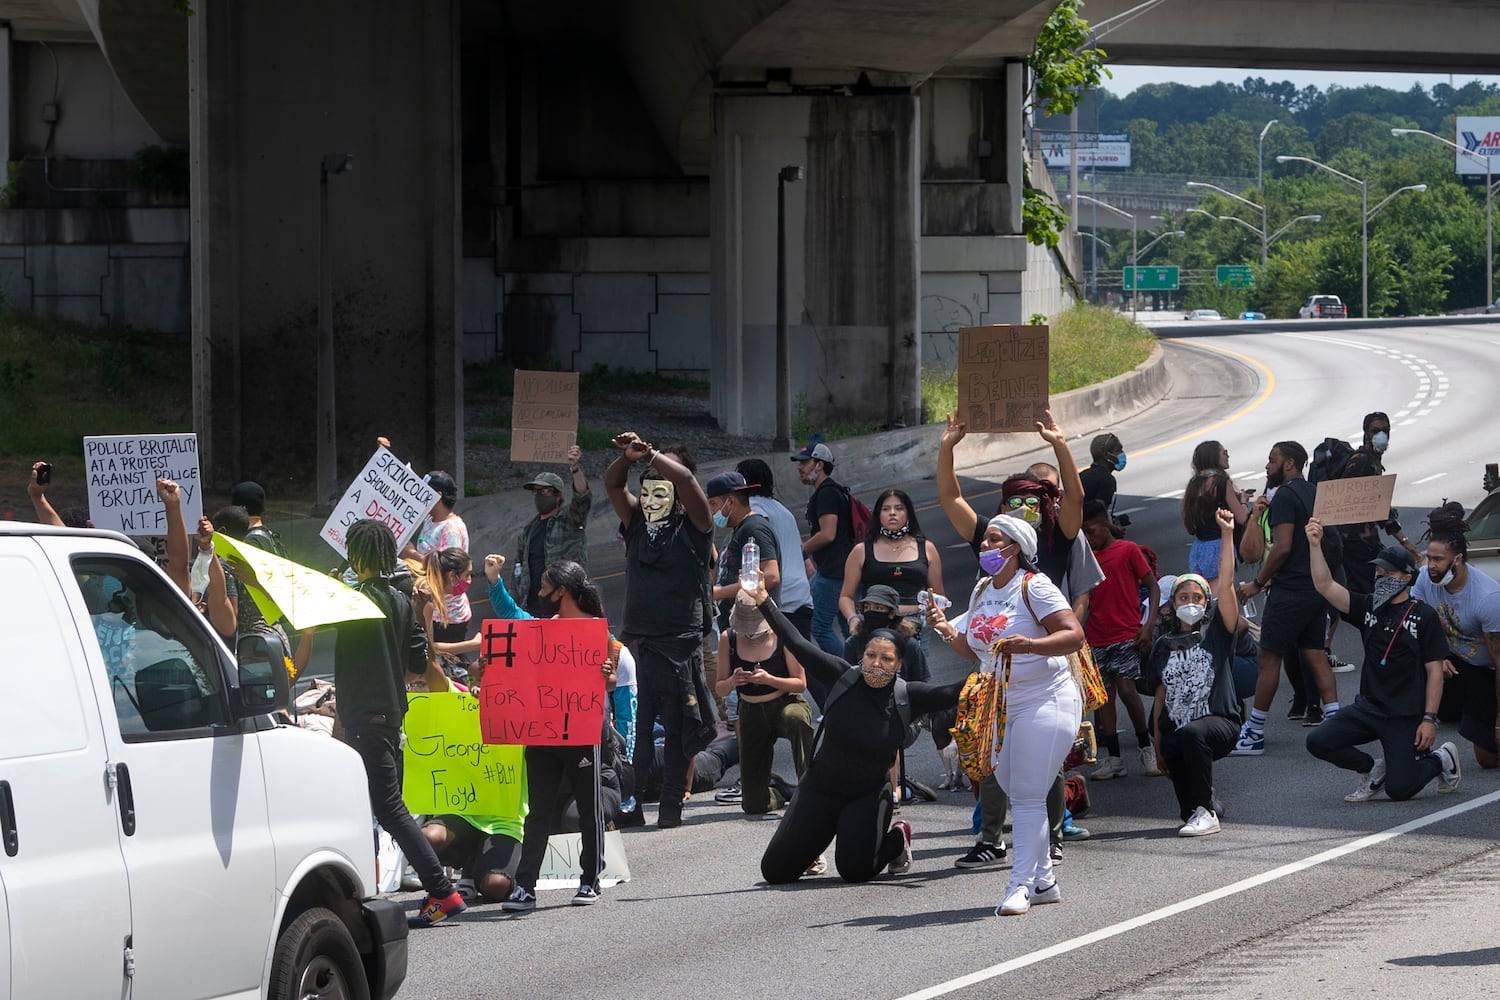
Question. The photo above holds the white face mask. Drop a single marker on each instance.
(1380, 440)
(1447, 578)
(1191, 614)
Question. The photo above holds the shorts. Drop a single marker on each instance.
(1118, 659)
(1203, 558)
(1477, 725)
(476, 852)
(1293, 620)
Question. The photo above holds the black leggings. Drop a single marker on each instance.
(861, 823)
(548, 771)
(380, 749)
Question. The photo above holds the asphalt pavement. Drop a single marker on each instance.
(1300, 895)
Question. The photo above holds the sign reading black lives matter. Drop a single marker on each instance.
(1002, 377)
(387, 490)
(122, 471)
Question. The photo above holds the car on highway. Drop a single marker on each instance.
(1203, 314)
(1484, 536)
(1251, 314)
(1323, 307)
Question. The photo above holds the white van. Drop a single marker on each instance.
(161, 836)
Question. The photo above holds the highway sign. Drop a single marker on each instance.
(1235, 275)
(1153, 279)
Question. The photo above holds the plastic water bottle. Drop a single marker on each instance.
(750, 566)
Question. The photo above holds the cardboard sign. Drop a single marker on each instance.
(279, 587)
(1354, 501)
(122, 471)
(387, 490)
(560, 867)
(544, 416)
(1002, 377)
(449, 769)
(543, 685)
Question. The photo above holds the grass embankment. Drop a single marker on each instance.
(1088, 345)
(61, 380)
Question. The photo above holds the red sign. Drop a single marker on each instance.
(543, 684)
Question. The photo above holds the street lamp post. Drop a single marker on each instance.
(1489, 204)
(1364, 226)
(1264, 245)
(327, 452)
(1261, 233)
(1124, 215)
(1387, 199)
(1260, 160)
(782, 441)
(1148, 246)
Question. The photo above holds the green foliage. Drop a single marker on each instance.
(1229, 302)
(1423, 281)
(1063, 64)
(12, 194)
(1043, 220)
(1038, 319)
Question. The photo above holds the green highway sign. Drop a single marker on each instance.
(1235, 275)
(1153, 279)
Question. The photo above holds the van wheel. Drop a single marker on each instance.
(315, 959)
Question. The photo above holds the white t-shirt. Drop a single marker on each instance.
(795, 592)
(995, 612)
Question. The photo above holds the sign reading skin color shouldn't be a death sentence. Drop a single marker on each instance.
(1359, 500)
(1002, 377)
(544, 416)
(387, 490)
(542, 681)
(122, 470)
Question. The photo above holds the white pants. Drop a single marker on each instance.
(1039, 732)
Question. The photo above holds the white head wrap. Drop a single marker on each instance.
(1018, 531)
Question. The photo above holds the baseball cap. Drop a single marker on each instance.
(251, 496)
(725, 483)
(818, 451)
(882, 595)
(546, 480)
(1396, 559)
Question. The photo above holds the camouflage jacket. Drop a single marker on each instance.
(567, 538)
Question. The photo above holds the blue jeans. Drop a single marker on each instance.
(828, 627)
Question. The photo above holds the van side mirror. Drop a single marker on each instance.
(264, 683)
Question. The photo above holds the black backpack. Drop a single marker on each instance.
(1329, 460)
(264, 538)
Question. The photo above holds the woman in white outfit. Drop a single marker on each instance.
(1020, 608)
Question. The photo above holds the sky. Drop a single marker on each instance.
(1128, 78)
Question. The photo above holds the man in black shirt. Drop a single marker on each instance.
(668, 535)
(827, 549)
(729, 499)
(1399, 688)
(1107, 456)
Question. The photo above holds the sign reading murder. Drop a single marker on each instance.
(542, 682)
(1002, 377)
(387, 490)
(1354, 501)
(122, 471)
(544, 416)
(448, 768)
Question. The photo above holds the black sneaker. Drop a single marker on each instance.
(520, 901)
(1297, 711)
(668, 817)
(1314, 716)
(783, 787)
(982, 855)
(1055, 853)
(730, 794)
(586, 895)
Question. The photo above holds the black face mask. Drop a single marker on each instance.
(550, 604)
(876, 620)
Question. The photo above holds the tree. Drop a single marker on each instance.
(1423, 282)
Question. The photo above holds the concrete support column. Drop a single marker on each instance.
(270, 95)
(853, 258)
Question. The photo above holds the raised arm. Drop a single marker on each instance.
(501, 603)
(1224, 591)
(960, 514)
(1333, 592)
(825, 666)
(1070, 514)
(38, 493)
(179, 559)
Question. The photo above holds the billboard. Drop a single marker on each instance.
(1480, 136)
(1095, 149)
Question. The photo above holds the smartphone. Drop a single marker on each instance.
(43, 474)
(1250, 492)
(1492, 470)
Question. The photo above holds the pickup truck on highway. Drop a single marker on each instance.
(1323, 307)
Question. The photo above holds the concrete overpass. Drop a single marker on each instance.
(594, 182)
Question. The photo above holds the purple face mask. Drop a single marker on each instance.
(992, 561)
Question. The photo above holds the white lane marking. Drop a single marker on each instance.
(1407, 423)
(1202, 899)
(1428, 479)
(1129, 510)
(1174, 495)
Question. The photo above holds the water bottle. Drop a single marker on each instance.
(750, 566)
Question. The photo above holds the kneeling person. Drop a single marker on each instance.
(1399, 687)
(486, 849)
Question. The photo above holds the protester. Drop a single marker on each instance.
(1195, 713)
(236, 522)
(1209, 491)
(1400, 686)
(446, 574)
(555, 533)
(1119, 634)
(1295, 620)
(36, 489)
(729, 500)
(486, 849)
(1253, 546)
(252, 497)
(846, 792)
(1468, 605)
(769, 680)
(830, 519)
(1019, 612)
(668, 535)
(1107, 457)
(795, 597)
(898, 556)
(443, 529)
(879, 609)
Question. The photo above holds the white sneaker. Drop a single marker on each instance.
(1370, 784)
(818, 867)
(1017, 901)
(1047, 894)
(1110, 767)
(1148, 762)
(1452, 772)
(1200, 824)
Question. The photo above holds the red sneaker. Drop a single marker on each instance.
(435, 909)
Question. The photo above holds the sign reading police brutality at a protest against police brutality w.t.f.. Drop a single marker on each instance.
(1002, 377)
(544, 416)
(122, 471)
(543, 685)
(386, 490)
